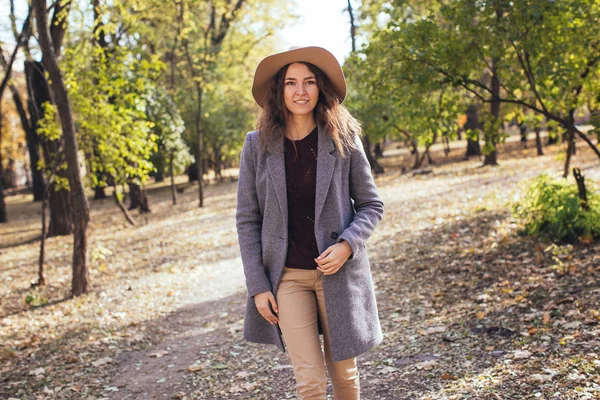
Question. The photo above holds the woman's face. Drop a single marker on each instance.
(300, 91)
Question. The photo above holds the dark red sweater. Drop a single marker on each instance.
(301, 179)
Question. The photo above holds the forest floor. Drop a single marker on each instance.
(469, 309)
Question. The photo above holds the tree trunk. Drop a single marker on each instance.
(580, 179)
(61, 222)
(134, 198)
(523, 132)
(3, 217)
(492, 137)
(538, 142)
(99, 193)
(41, 277)
(172, 173)
(34, 76)
(352, 27)
(38, 94)
(570, 145)
(570, 142)
(218, 162)
(144, 204)
(378, 150)
(35, 173)
(192, 172)
(80, 209)
(375, 166)
(199, 158)
(122, 207)
(446, 145)
(159, 176)
(414, 151)
(473, 148)
(138, 198)
(420, 159)
(8, 65)
(491, 159)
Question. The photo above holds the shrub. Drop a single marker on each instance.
(551, 208)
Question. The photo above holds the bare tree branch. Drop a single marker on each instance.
(8, 65)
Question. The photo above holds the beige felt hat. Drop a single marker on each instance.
(318, 56)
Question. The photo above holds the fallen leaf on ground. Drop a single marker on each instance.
(540, 378)
(521, 354)
(37, 371)
(434, 329)
(158, 353)
(102, 361)
(195, 368)
(426, 365)
(448, 377)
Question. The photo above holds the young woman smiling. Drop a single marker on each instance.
(307, 204)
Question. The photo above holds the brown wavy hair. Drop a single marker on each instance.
(328, 113)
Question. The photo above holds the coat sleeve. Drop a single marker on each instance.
(368, 206)
(249, 223)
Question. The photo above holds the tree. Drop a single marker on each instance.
(80, 211)
(217, 21)
(39, 91)
(172, 153)
(22, 38)
(8, 65)
(508, 39)
(496, 39)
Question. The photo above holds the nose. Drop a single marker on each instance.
(302, 88)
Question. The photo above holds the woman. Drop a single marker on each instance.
(306, 206)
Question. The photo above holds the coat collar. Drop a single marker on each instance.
(325, 166)
(325, 142)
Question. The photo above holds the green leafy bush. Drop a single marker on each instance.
(551, 208)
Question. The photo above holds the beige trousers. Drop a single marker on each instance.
(301, 301)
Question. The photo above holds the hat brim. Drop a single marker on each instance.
(318, 56)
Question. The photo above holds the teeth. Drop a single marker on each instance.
(302, 101)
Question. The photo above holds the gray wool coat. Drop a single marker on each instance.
(347, 207)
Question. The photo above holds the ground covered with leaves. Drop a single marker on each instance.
(469, 308)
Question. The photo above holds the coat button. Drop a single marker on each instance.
(334, 235)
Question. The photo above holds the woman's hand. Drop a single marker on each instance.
(332, 259)
(262, 301)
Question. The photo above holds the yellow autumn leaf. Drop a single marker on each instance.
(546, 317)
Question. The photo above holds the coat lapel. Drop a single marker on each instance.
(276, 164)
(325, 166)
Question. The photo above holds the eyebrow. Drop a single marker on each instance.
(294, 79)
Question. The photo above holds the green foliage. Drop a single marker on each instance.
(35, 300)
(49, 126)
(182, 34)
(169, 128)
(546, 55)
(561, 256)
(110, 93)
(551, 208)
(49, 129)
